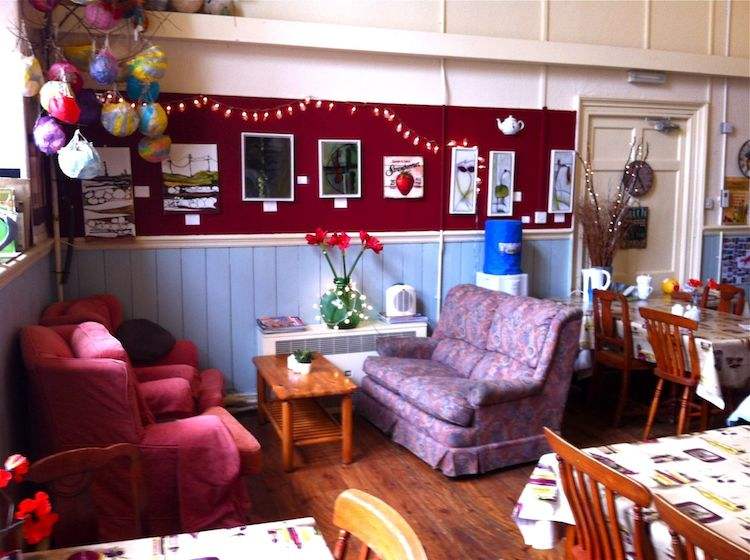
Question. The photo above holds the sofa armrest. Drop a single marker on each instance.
(486, 393)
(184, 352)
(168, 398)
(406, 347)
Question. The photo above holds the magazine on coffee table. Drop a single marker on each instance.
(280, 324)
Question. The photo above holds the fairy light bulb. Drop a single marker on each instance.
(302, 106)
(289, 110)
(307, 100)
(318, 104)
(353, 109)
(132, 105)
(215, 107)
(376, 111)
(227, 113)
(197, 103)
(169, 109)
(416, 141)
(392, 116)
(386, 113)
(399, 127)
(435, 149)
(265, 116)
(407, 134)
(452, 143)
(330, 106)
(244, 115)
(465, 142)
(428, 145)
(205, 99)
(181, 107)
(278, 113)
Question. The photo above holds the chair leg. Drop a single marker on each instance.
(683, 420)
(653, 409)
(704, 415)
(624, 389)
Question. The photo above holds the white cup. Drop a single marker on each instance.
(644, 291)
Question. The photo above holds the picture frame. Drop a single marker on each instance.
(190, 177)
(267, 167)
(339, 168)
(108, 203)
(501, 181)
(403, 177)
(463, 191)
(562, 172)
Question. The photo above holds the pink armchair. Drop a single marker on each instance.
(181, 362)
(192, 466)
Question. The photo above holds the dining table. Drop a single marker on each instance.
(706, 475)
(294, 539)
(722, 341)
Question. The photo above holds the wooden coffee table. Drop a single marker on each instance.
(295, 414)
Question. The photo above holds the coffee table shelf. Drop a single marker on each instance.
(312, 424)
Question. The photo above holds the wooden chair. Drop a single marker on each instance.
(381, 529)
(665, 332)
(688, 534)
(612, 350)
(69, 476)
(591, 489)
(731, 298)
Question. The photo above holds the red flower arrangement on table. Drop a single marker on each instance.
(34, 516)
(341, 306)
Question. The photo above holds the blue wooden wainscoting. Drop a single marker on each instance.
(23, 299)
(213, 295)
(711, 256)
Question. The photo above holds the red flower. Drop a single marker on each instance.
(364, 236)
(5, 478)
(316, 238)
(18, 465)
(37, 516)
(340, 240)
(694, 283)
(713, 284)
(374, 244)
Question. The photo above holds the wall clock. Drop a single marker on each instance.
(743, 159)
(638, 178)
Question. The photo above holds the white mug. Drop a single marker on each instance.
(644, 291)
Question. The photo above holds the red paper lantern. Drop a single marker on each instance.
(65, 109)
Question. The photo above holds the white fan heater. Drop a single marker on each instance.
(400, 301)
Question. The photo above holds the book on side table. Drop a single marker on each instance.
(280, 324)
(401, 319)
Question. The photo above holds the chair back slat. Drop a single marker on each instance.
(605, 322)
(665, 332)
(689, 535)
(731, 298)
(381, 529)
(592, 490)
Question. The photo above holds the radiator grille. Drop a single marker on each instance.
(341, 344)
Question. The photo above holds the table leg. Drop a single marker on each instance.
(261, 391)
(287, 441)
(346, 429)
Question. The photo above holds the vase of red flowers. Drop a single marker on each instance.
(33, 518)
(342, 306)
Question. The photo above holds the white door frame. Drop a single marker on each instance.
(693, 183)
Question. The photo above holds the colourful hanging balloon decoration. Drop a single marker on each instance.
(44, 5)
(100, 15)
(49, 135)
(64, 108)
(149, 65)
(51, 89)
(90, 107)
(32, 77)
(119, 119)
(64, 71)
(79, 55)
(155, 150)
(141, 91)
(103, 67)
(153, 119)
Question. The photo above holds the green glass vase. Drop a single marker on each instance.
(341, 306)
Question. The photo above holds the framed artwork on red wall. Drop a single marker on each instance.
(191, 178)
(403, 176)
(501, 182)
(267, 167)
(463, 192)
(340, 168)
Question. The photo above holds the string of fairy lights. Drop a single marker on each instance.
(289, 109)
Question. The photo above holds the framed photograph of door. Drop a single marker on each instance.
(501, 182)
(267, 167)
(340, 168)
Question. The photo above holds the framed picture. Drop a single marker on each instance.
(463, 192)
(502, 180)
(340, 168)
(108, 209)
(191, 178)
(562, 172)
(267, 167)
(403, 176)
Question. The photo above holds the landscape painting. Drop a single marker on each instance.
(191, 178)
(267, 167)
(108, 209)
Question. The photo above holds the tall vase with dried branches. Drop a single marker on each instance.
(601, 215)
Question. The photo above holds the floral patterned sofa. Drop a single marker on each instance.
(475, 396)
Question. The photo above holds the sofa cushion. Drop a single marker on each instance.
(496, 366)
(520, 328)
(93, 340)
(145, 341)
(391, 372)
(442, 397)
(457, 354)
(467, 314)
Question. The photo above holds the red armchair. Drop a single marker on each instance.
(192, 466)
(181, 362)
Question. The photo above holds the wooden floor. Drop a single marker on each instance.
(467, 518)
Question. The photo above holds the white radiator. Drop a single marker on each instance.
(347, 349)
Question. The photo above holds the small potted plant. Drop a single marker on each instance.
(300, 361)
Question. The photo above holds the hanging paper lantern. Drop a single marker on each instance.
(79, 55)
(153, 119)
(149, 65)
(66, 72)
(90, 107)
(141, 91)
(99, 15)
(80, 159)
(32, 77)
(119, 119)
(49, 135)
(156, 149)
(44, 5)
(103, 67)
(64, 108)
(52, 89)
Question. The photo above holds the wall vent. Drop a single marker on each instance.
(340, 344)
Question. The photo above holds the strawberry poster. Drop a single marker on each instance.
(403, 176)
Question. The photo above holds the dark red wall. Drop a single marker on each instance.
(544, 131)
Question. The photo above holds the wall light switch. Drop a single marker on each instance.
(192, 219)
(141, 191)
(559, 218)
(517, 196)
(726, 128)
(340, 202)
(302, 179)
(540, 217)
(525, 219)
(270, 206)
(708, 204)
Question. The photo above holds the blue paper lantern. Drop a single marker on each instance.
(141, 91)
